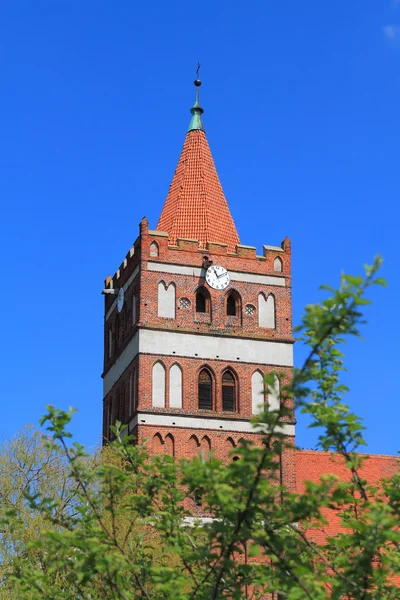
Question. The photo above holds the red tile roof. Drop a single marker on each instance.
(196, 207)
(310, 465)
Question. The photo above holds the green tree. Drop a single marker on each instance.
(128, 535)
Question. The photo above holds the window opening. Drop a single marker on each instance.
(201, 303)
(278, 264)
(110, 342)
(228, 392)
(184, 302)
(250, 309)
(231, 305)
(153, 249)
(205, 390)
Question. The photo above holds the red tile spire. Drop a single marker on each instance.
(196, 207)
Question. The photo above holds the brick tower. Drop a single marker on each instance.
(194, 320)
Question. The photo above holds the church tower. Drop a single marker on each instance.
(194, 320)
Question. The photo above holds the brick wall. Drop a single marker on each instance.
(143, 284)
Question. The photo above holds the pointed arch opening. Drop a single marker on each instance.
(233, 305)
(205, 445)
(257, 392)
(134, 311)
(194, 442)
(109, 415)
(158, 385)
(132, 391)
(203, 301)
(154, 249)
(205, 390)
(169, 444)
(157, 444)
(274, 395)
(266, 311)
(166, 300)
(278, 265)
(110, 342)
(175, 386)
(228, 392)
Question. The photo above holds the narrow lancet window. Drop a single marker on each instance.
(205, 390)
(228, 392)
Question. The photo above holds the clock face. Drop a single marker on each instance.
(120, 301)
(217, 277)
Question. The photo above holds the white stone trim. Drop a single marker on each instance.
(157, 233)
(125, 287)
(274, 248)
(192, 521)
(211, 347)
(229, 425)
(203, 347)
(198, 271)
(121, 364)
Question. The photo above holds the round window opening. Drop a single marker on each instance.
(184, 302)
(250, 309)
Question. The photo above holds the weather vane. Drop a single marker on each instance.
(198, 71)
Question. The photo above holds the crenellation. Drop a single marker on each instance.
(245, 251)
(217, 248)
(187, 244)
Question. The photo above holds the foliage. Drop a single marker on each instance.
(126, 531)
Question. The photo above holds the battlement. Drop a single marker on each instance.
(154, 245)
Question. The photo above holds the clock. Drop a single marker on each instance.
(217, 277)
(120, 300)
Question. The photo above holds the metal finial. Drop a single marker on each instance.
(196, 110)
(197, 81)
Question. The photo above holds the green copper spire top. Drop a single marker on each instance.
(196, 110)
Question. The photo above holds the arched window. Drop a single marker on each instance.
(266, 311)
(278, 264)
(202, 301)
(110, 343)
(206, 444)
(158, 385)
(194, 442)
(169, 445)
(117, 332)
(132, 392)
(166, 300)
(228, 392)
(153, 249)
(157, 444)
(134, 309)
(205, 390)
(233, 304)
(175, 387)
(257, 392)
(274, 395)
(110, 415)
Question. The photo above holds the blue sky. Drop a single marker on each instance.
(302, 114)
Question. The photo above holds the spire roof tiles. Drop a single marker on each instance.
(196, 207)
